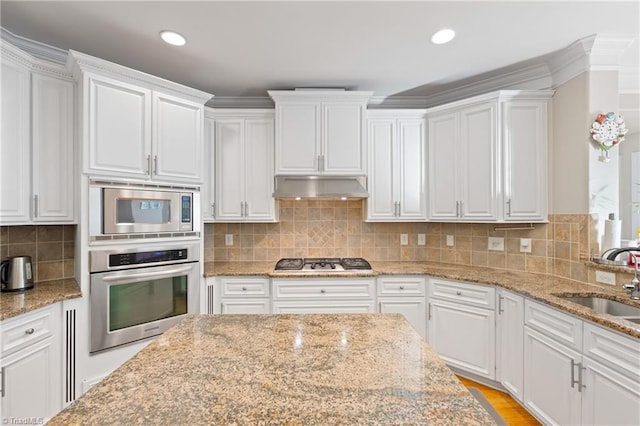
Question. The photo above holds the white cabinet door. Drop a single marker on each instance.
(32, 381)
(230, 182)
(53, 159)
(396, 169)
(382, 174)
(207, 192)
(549, 368)
(444, 198)
(177, 139)
(410, 170)
(298, 136)
(510, 342)
(15, 171)
(524, 134)
(245, 306)
(343, 149)
(608, 397)
(478, 162)
(119, 116)
(258, 163)
(463, 336)
(414, 310)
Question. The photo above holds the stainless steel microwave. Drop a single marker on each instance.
(122, 210)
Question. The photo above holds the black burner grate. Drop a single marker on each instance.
(355, 263)
(289, 264)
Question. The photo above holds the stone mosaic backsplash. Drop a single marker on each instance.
(335, 228)
(51, 247)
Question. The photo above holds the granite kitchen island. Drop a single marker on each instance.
(281, 369)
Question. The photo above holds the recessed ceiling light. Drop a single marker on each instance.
(443, 36)
(173, 38)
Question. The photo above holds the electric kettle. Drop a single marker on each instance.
(16, 273)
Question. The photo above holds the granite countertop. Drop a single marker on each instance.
(281, 369)
(542, 287)
(42, 294)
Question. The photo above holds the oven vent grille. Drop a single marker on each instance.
(70, 356)
(210, 299)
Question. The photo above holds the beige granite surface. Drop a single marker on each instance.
(42, 294)
(349, 369)
(541, 287)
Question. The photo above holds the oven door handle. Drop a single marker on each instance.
(142, 275)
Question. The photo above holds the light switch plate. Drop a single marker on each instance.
(404, 239)
(450, 240)
(606, 277)
(228, 239)
(422, 239)
(496, 244)
(525, 245)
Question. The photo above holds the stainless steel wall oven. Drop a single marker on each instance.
(140, 292)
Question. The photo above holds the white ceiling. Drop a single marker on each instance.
(242, 48)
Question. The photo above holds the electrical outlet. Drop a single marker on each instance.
(450, 240)
(228, 239)
(606, 277)
(404, 239)
(496, 244)
(525, 245)
(422, 239)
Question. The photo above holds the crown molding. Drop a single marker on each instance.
(31, 63)
(35, 48)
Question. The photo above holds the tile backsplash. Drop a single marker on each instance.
(51, 247)
(335, 228)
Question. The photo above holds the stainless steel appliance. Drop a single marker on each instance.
(141, 292)
(328, 264)
(120, 209)
(16, 273)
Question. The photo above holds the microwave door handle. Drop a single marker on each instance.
(144, 275)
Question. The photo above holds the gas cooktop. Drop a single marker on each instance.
(320, 264)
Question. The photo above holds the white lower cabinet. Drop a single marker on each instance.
(406, 296)
(238, 295)
(578, 373)
(510, 342)
(461, 322)
(323, 295)
(30, 366)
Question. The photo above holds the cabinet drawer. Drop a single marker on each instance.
(20, 332)
(615, 351)
(244, 287)
(321, 307)
(468, 294)
(323, 289)
(563, 328)
(402, 286)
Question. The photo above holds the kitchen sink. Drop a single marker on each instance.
(607, 306)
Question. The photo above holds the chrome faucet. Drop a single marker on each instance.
(634, 286)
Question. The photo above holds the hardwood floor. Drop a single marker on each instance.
(507, 407)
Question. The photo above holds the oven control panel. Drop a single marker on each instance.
(137, 258)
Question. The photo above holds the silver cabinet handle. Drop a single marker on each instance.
(36, 206)
(3, 372)
(222, 308)
(148, 171)
(429, 311)
(573, 374)
(29, 331)
(459, 293)
(244, 289)
(500, 310)
(155, 164)
(322, 163)
(241, 208)
(246, 209)
(509, 207)
(380, 307)
(399, 210)
(457, 208)
(401, 287)
(461, 209)
(323, 291)
(213, 209)
(319, 163)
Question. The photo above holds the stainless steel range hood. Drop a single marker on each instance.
(321, 187)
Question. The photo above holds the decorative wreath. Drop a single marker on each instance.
(608, 130)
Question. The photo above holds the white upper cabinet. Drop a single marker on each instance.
(207, 191)
(320, 132)
(524, 136)
(463, 160)
(487, 158)
(37, 141)
(138, 126)
(244, 166)
(396, 150)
